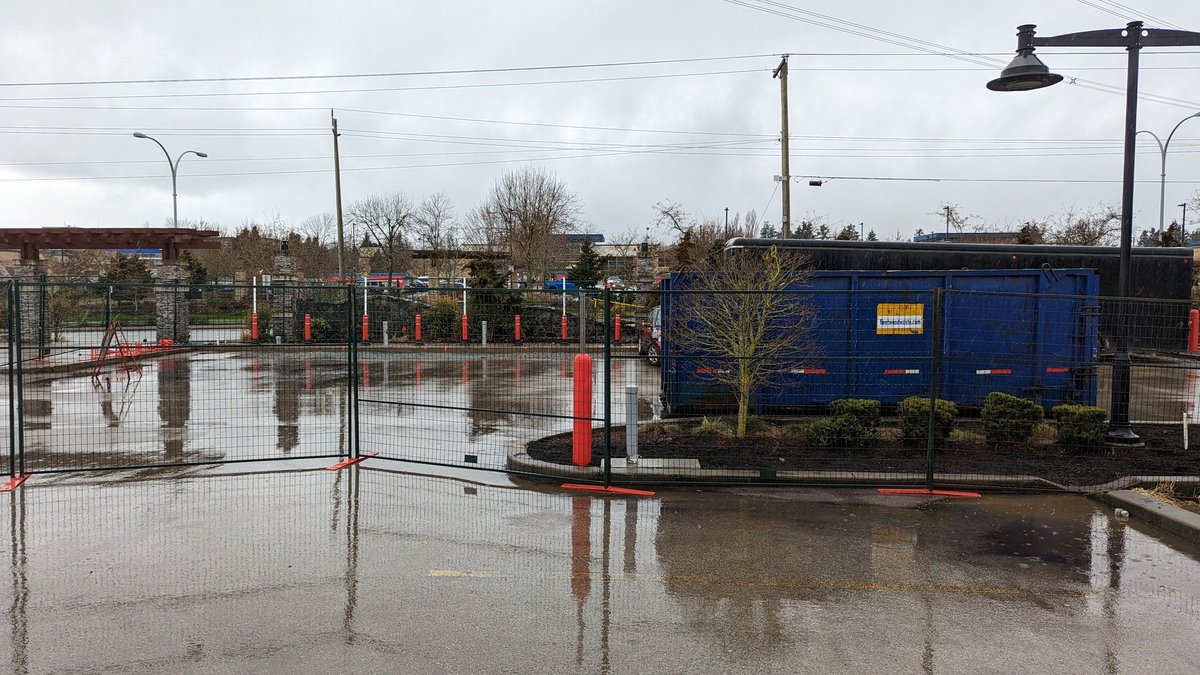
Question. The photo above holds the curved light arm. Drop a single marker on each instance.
(138, 134)
(1177, 129)
(175, 168)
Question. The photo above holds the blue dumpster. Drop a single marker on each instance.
(1029, 333)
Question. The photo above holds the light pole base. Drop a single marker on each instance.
(1123, 437)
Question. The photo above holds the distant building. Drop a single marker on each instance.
(970, 237)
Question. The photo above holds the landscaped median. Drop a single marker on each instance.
(878, 451)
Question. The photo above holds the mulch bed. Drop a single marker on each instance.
(1163, 454)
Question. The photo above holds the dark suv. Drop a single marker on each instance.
(650, 337)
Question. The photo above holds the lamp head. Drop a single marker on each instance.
(138, 134)
(200, 154)
(1025, 71)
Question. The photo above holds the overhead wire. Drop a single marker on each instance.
(862, 30)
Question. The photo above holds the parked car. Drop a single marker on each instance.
(420, 282)
(559, 285)
(614, 281)
(650, 337)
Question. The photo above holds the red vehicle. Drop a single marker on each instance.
(650, 337)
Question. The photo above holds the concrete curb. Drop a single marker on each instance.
(1171, 519)
(687, 471)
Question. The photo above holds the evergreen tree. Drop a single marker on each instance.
(1030, 234)
(823, 232)
(588, 268)
(197, 273)
(871, 236)
(684, 252)
(1172, 236)
(768, 231)
(848, 233)
(806, 230)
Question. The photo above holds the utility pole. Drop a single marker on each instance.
(781, 73)
(726, 218)
(337, 184)
(946, 208)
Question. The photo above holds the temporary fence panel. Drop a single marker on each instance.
(452, 399)
(104, 386)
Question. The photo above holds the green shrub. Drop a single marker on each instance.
(713, 428)
(1008, 419)
(864, 410)
(322, 331)
(842, 431)
(914, 418)
(1080, 425)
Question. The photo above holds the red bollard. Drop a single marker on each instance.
(366, 378)
(417, 332)
(366, 324)
(307, 327)
(466, 337)
(1194, 330)
(517, 329)
(617, 329)
(581, 437)
(254, 327)
(564, 327)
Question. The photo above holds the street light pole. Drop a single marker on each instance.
(1026, 72)
(1162, 176)
(174, 173)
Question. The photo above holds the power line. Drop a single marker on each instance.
(888, 37)
(486, 85)
(409, 73)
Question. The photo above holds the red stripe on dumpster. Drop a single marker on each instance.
(349, 462)
(609, 490)
(1058, 370)
(994, 372)
(809, 371)
(14, 483)
(902, 372)
(924, 491)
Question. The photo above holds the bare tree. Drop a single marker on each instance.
(744, 321)
(320, 228)
(526, 211)
(1091, 227)
(437, 232)
(386, 221)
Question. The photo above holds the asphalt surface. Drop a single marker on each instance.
(367, 570)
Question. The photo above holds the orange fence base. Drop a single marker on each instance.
(14, 483)
(350, 462)
(609, 490)
(924, 491)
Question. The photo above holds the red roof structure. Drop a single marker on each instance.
(171, 241)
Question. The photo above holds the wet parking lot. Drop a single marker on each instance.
(369, 570)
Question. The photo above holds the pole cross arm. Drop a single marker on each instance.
(1122, 37)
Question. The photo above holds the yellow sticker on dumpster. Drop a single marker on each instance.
(899, 319)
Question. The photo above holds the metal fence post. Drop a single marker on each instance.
(354, 369)
(351, 373)
(607, 386)
(18, 357)
(12, 394)
(935, 373)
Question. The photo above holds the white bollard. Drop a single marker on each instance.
(484, 341)
(385, 334)
(631, 423)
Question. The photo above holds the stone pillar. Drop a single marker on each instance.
(171, 303)
(283, 297)
(31, 274)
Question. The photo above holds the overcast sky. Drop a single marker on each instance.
(868, 101)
